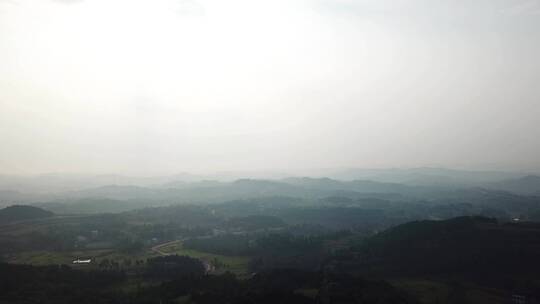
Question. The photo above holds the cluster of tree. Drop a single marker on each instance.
(187, 216)
(254, 222)
(272, 243)
(33, 240)
(476, 248)
(57, 284)
(168, 231)
(61, 284)
(268, 251)
(172, 266)
(277, 286)
(225, 244)
(119, 264)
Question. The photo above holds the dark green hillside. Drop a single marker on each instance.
(463, 245)
(19, 213)
(63, 284)
(527, 185)
(254, 222)
(57, 284)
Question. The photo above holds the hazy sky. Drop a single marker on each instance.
(162, 86)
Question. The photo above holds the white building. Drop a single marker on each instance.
(79, 261)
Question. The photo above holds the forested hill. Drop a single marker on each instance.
(20, 212)
(460, 245)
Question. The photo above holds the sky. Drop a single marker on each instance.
(165, 86)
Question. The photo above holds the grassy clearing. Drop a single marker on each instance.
(234, 264)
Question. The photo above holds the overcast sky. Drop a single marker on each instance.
(163, 86)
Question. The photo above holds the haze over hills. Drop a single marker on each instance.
(426, 176)
(269, 151)
(527, 185)
(419, 236)
(151, 191)
(57, 182)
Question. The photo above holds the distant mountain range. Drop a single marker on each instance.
(418, 176)
(125, 193)
(57, 182)
(527, 185)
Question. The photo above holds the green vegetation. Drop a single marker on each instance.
(257, 249)
(20, 213)
(465, 245)
(425, 291)
(222, 263)
(437, 292)
(42, 258)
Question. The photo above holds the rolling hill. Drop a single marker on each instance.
(20, 213)
(464, 245)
